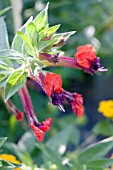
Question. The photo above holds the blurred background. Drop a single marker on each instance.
(93, 21)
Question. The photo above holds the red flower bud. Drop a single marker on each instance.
(85, 55)
(19, 116)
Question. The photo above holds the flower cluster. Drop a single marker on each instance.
(33, 52)
(106, 108)
(59, 96)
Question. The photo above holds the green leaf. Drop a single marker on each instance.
(104, 127)
(11, 54)
(28, 43)
(5, 10)
(42, 19)
(17, 43)
(7, 164)
(3, 79)
(23, 155)
(59, 142)
(95, 151)
(100, 163)
(45, 45)
(50, 155)
(3, 66)
(53, 29)
(4, 43)
(2, 140)
(15, 82)
(66, 34)
(28, 139)
(32, 33)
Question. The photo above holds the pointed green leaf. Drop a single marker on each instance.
(45, 45)
(53, 29)
(2, 140)
(100, 163)
(28, 43)
(4, 43)
(15, 82)
(97, 150)
(17, 43)
(5, 10)
(3, 65)
(42, 19)
(66, 34)
(11, 54)
(32, 33)
(3, 80)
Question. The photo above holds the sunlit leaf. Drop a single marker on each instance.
(17, 43)
(42, 19)
(15, 82)
(3, 80)
(53, 29)
(11, 54)
(28, 43)
(32, 33)
(4, 43)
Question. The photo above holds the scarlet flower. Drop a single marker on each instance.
(38, 133)
(85, 55)
(53, 81)
(77, 106)
(41, 128)
(45, 125)
(53, 87)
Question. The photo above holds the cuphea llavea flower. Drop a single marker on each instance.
(85, 55)
(41, 50)
(58, 96)
(85, 58)
(41, 128)
(53, 81)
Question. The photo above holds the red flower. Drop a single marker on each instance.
(85, 55)
(52, 81)
(38, 133)
(19, 116)
(77, 106)
(41, 128)
(45, 125)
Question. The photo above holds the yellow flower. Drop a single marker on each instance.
(106, 108)
(10, 158)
